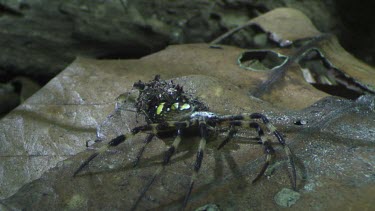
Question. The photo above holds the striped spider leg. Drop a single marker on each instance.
(204, 122)
(246, 121)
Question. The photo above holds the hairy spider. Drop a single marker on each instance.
(169, 109)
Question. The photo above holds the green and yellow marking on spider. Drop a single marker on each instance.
(174, 107)
(160, 107)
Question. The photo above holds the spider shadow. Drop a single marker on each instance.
(238, 174)
(188, 149)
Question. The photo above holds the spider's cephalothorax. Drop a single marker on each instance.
(163, 100)
(169, 109)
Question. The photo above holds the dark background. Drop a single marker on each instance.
(39, 38)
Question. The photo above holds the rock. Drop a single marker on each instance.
(42, 142)
(287, 197)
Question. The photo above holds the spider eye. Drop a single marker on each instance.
(159, 109)
(174, 106)
(185, 107)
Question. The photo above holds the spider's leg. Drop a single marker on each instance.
(118, 140)
(268, 149)
(114, 142)
(197, 165)
(281, 140)
(226, 118)
(139, 155)
(155, 128)
(231, 120)
(85, 163)
(228, 137)
(163, 126)
(167, 156)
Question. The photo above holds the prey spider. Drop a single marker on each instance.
(169, 109)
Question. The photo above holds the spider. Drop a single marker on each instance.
(169, 109)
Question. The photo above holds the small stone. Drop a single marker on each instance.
(208, 207)
(286, 197)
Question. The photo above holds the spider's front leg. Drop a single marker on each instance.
(114, 142)
(171, 150)
(120, 139)
(203, 130)
(155, 128)
(167, 156)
